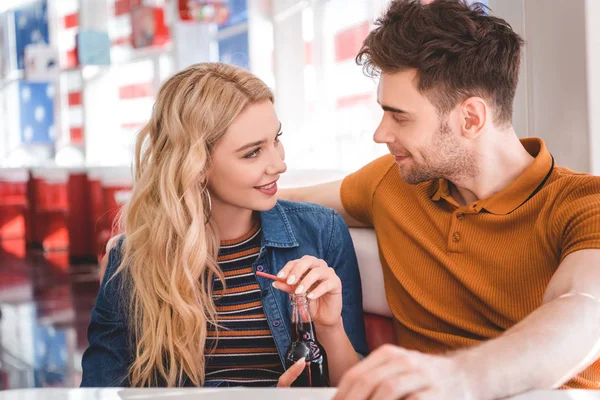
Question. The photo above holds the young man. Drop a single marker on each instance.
(490, 251)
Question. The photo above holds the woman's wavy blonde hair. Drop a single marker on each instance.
(170, 252)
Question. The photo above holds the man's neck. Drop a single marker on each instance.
(232, 222)
(501, 161)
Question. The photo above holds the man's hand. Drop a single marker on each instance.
(392, 372)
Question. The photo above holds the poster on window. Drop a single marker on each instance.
(3, 49)
(36, 109)
(238, 14)
(41, 63)
(204, 11)
(234, 50)
(51, 357)
(148, 27)
(31, 27)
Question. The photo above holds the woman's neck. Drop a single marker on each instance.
(232, 222)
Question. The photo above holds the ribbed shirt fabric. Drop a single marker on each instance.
(459, 275)
(245, 354)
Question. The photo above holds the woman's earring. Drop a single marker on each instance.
(208, 212)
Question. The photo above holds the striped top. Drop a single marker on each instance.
(245, 354)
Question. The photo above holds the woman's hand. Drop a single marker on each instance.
(293, 372)
(313, 276)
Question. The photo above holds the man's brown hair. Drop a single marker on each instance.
(458, 50)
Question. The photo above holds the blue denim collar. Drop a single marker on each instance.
(277, 230)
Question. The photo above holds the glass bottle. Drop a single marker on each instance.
(305, 344)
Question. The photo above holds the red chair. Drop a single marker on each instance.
(30, 221)
(4, 380)
(80, 220)
(51, 214)
(13, 211)
(57, 260)
(379, 329)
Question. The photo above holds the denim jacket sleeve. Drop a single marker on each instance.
(342, 258)
(107, 359)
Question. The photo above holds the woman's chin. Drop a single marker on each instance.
(264, 204)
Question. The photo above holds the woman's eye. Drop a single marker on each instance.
(253, 154)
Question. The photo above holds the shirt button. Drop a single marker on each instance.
(456, 237)
(260, 268)
(276, 323)
(460, 215)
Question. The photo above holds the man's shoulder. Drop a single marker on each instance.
(571, 193)
(382, 166)
(386, 161)
(567, 173)
(380, 173)
(375, 170)
(570, 183)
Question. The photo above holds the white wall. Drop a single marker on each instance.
(592, 8)
(558, 98)
(513, 12)
(289, 74)
(556, 60)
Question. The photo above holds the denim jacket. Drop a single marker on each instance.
(289, 231)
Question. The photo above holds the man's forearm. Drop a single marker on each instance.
(309, 194)
(290, 194)
(545, 350)
(326, 195)
(340, 352)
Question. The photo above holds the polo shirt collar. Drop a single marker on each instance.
(519, 191)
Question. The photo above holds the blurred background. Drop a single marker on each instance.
(78, 80)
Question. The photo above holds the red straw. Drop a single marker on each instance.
(268, 276)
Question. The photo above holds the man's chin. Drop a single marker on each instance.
(414, 179)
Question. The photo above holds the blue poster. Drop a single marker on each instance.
(31, 26)
(50, 356)
(484, 2)
(234, 50)
(36, 102)
(238, 13)
(4, 63)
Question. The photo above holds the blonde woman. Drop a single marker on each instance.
(204, 211)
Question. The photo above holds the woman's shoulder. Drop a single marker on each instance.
(311, 217)
(114, 243)
(112, 256)
(112, 294)
(296, 207)
(111, 282)
(319, 231)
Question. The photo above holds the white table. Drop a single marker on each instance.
(223, 394)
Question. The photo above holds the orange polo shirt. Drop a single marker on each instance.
(459, 275)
